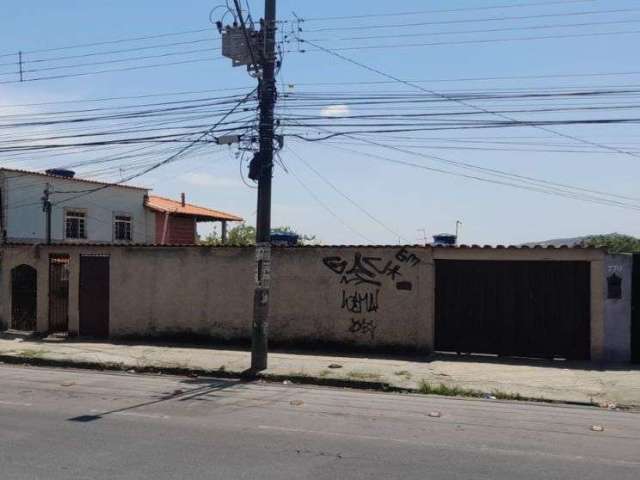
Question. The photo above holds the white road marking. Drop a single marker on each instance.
(17, 404)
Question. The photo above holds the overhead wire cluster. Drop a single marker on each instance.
(394, 120)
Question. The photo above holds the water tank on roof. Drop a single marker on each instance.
(445, 239)
(61, 172)
(284, 239)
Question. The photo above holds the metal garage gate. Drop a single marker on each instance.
(513, 308)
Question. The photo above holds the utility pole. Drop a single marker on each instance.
(20, 69)
(257, 50)
(46, 208)
(268, 94)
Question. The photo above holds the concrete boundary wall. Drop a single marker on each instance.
(372, 297)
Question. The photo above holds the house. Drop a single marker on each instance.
(55, 206)
(176, 222)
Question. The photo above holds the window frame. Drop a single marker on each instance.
(70, 211)
(114, 229)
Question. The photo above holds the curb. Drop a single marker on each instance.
(275, 378)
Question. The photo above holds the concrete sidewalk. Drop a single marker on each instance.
(557, 381)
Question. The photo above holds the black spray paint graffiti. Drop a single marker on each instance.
(363, 269)
(368, 273)
(357, 302)
(405, 256)
(363, 327)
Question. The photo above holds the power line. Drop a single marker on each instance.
(462, 102)
(482, 41)
(474, 20)
(112, 61)
(425, 12)
(111, 42)
(466, 32)
(347, 197)
(539, 189)
(491, 171)
(180, 152)
(327, 208)
(124, 69)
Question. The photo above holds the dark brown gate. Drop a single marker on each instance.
(514, 308)
(58, 293)
(24, 297)
(94, 296)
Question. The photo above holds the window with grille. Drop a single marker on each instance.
(122, 228)
(75, 224)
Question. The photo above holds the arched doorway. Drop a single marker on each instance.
(24, 293)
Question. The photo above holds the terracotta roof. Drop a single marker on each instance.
(166, 205)
(71, 179)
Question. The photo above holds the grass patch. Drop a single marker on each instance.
(354, 375)
(31, 353)
(403, 373)
(500, 395)
(454, 391)
(450, 391)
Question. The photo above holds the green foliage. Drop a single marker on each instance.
(240, 236)
(245, 235)
(615, 243)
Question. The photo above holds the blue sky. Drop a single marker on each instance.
(403, 199)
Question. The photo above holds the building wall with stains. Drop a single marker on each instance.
(617, 304)
(369, 297)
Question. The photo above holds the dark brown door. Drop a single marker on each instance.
(94, 296)
(514, 308)
(58, 293)
(24, 297)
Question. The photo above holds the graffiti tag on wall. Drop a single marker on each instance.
(362, 278)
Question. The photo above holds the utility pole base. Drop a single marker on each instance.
(259, 334)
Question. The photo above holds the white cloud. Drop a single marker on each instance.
(210, 181)
(335, 111)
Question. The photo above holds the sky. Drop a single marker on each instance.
(350, 195)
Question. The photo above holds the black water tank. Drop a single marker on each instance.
(61, 172)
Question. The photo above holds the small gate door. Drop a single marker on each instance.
(94, 296)
(58, 293)
(24, 297)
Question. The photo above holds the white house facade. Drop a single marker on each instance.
(81, 210)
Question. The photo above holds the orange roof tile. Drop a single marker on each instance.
(166, 205)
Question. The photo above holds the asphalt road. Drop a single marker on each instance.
(67, 425)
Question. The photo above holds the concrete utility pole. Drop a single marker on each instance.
(268, 94)
(46, 208)
(257, 50)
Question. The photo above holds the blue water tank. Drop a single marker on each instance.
(446, 239)
(284, 239)
(61, 172)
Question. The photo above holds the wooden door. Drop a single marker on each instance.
(24, 298)
(94, 296)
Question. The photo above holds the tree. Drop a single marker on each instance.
(245, 235)
(614, 242)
